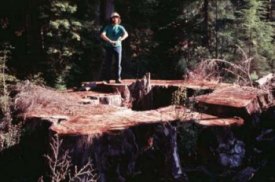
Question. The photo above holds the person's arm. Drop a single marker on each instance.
(125, 35)
(105, 38)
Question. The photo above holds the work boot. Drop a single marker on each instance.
(106, 81)
(118, 81)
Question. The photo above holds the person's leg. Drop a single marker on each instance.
(118, 57)
(106, 75)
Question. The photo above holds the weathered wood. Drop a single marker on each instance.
(87, 118)
(145, 94)
(122, 141)
(119, 119)
(264, 80)
(118, 138)
(235, 101)
(95, 98)
(194, 84)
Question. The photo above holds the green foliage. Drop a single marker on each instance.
(178, 31)
(179, 97)
(71, 42)
(255, 34)
(62, 41)
(37, 79)
(5, 78)
(11, 136)
(254, 76)
(60, 83)
(167, 37)
(188, 133)
(62, 7)
(207, 34)
(9, 133)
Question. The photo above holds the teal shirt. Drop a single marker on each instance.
(113, 32)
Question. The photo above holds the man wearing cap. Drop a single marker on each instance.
(113, 34)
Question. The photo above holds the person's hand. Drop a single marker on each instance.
(112, 42)
(115, 42)
(118, 41)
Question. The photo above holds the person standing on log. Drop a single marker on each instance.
(113, 35)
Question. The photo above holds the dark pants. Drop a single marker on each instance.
(110, 53)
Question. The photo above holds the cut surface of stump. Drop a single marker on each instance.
(70, 116)
(117, 119)
(93, 129)
(192, 84)
(235, 101)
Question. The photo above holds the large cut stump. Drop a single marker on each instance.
(141, 144)
(235, 101)
(118, 139)
(145, 94)
(121, 141)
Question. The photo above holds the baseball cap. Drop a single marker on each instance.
(115, 14)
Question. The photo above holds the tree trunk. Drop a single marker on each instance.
(33, 30)
(206, 19)
(106, 9)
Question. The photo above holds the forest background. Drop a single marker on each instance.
(56, 42)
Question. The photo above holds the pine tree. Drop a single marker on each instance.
(255, 34)
(61, 40)
(221, 28)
